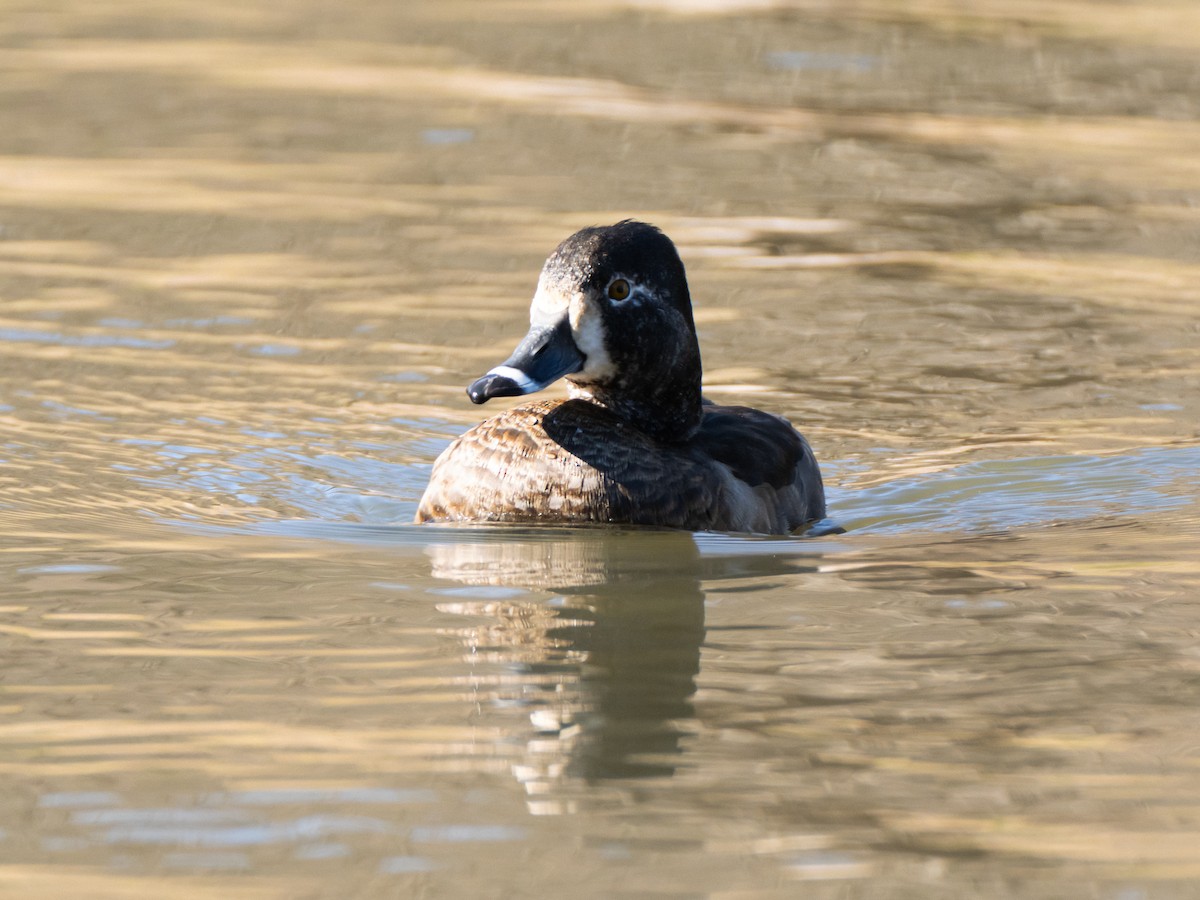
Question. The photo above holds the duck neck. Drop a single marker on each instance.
(667, 408)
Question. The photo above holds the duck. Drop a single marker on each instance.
(634, 443)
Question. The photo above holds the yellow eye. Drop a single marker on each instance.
(619, 289)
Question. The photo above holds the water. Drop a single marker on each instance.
(251, 256)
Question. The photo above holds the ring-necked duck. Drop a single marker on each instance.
(635, 443)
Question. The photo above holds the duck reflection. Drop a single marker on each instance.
(608, 664)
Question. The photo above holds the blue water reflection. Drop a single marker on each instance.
(351, 497)
(812, 61)
(28, 335)
(998, 494)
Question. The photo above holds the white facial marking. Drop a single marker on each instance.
(587, 329)
(589, 338)
(548, 303)
(523, 381)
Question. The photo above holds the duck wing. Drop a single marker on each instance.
(774, 481)
(571, 462)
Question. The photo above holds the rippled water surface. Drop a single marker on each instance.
(251, 254)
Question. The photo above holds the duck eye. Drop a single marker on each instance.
(619, 289)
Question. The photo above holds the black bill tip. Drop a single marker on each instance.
(493, 385)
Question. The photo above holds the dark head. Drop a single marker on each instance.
(612, 313)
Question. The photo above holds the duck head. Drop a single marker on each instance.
(612, 314)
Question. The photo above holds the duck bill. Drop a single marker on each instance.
(546, 354)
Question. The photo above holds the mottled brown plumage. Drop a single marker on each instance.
(635, 444)
(573, 461)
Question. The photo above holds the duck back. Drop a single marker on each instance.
(574, 462)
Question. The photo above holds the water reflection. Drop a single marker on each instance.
(610, 661)
(250, 255)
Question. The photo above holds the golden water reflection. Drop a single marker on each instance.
(249, 257)
(622, 641)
